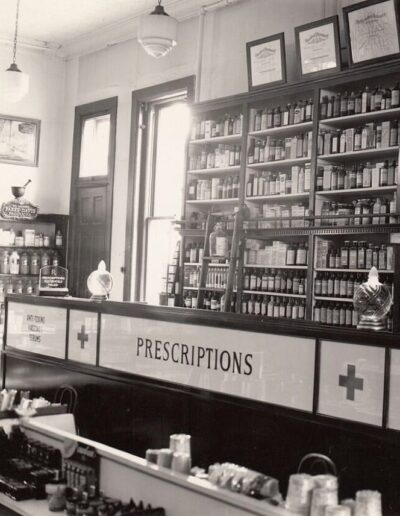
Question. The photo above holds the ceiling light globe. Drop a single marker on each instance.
(14, 85)
(157, 33)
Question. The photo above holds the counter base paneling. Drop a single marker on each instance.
(133, 412)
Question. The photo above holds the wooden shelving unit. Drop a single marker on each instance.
(312, 227)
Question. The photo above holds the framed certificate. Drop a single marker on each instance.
(266, 63)
(372, 31)
(318, 47)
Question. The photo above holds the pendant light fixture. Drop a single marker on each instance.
(157, 32)
(14, 84)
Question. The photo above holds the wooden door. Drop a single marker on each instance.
(91, 192)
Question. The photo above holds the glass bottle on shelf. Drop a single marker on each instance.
(14, 262)
(5, 263)
(218, 242)
(35, 267)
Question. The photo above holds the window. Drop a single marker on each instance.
(162, 126)
(94, 146)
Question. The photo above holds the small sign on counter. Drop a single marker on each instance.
(53, 280)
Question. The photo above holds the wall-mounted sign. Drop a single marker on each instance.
(53, 280)
(266, 62)
(19, 210)
(372, 31)
(318, 48)
(268, 368)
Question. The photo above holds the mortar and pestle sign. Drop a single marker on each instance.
(19, 208)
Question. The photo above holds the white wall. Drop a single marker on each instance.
(44, 102)
(57, 87)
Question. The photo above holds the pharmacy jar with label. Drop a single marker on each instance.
(14, 262)
(218, 242)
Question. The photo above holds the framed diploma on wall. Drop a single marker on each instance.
(372, 31)
(266, 61)
(318, 47)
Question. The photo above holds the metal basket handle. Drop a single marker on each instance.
(328, 463)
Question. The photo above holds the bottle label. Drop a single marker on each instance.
(221, 246)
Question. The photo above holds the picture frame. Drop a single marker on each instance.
(318, 47)
(372, 31)
(266, 61)
(19, 140)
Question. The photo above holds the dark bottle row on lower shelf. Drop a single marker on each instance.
(341, 314)
(336, 284)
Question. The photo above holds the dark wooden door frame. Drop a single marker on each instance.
(82, 113)
(137, 170)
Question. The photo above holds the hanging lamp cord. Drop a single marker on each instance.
(16, 33)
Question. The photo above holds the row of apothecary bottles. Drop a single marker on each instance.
(373, 210)
(28, 238)
(370, 136)
(337, 284)
(18, 286)
(343, 104)
(272, 280)
(296, 113)
(278, 254)
(217, 277)
(278, 149)
(274, 183)
(354, 255)
(212, 128)
(215, 188)
(341, 314)
(211, 301)
(363, 175)
(275, 216)
(273, 306)
(223, 156)
(26, 263)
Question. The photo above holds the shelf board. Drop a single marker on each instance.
(220, 171)
(365, 271)
(231, 138)
(335, 299)
(363, 118)
(192, 264)
(16, 276)
(292, 196)
(361, 154)
(284, 129)
(214, 201)
(193, 233)
(31, 247)
(257, 266)
(277, 294)
(190, 288)
(280, 163)
(359, 192)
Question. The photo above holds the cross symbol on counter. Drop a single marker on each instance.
(351, 382)
(82, 336)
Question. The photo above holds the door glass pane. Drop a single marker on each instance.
(172, 130)
(95, 146)
(161, 243)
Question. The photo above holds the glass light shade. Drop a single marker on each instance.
(14, 85)
(157, 33)
(100, 283)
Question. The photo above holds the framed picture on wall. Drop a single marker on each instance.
(318, 47)
(372, 31)
(19, 140)
(266, 61)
